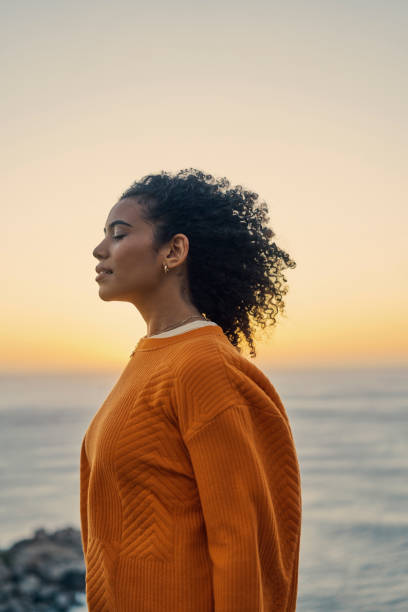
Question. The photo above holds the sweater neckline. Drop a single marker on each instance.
(147, 344)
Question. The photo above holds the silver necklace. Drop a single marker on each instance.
(178, 324)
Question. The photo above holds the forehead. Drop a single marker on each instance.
(127, 210)
(130, 211)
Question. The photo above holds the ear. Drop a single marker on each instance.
(179, 248)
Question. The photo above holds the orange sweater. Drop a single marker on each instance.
(190, 493)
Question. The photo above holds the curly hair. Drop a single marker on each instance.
(234, 270)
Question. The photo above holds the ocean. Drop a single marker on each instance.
(351, 434)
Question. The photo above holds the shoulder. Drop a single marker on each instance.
(202, 360)
(210, 358)
(210, 375)
(216, 356)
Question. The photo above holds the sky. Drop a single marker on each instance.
(303, 102)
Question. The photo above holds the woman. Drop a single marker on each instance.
(190, 484)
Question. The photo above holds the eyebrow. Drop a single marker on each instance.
(117, 222)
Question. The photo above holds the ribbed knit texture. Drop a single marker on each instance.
(190, 492)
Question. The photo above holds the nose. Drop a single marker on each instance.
(99, 252)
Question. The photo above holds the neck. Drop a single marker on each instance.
(175, 324)
(165, 307)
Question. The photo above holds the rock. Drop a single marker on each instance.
(41, 534)
(4, 572)
(47, 593)
(57, 572)
(29, 584)
(74, 578)
(7, 590)
(43, 573)
(13, 605)
(35, 554)
(69, 537)
(64, 600)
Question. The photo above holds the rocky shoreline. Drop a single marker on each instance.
(45, 573)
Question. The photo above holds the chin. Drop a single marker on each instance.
(106, 296)
(110, 296)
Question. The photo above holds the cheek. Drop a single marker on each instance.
(133, 259)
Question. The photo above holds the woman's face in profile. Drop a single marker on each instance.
(126, 253)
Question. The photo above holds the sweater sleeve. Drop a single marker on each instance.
(248, 481)
(83, 490)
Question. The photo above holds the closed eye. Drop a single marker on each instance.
(118, 237)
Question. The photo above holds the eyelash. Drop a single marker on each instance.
(118, 237)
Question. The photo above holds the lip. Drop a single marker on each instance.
(102, 275)
(102, 272)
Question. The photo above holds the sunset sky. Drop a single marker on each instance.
(303, 102)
